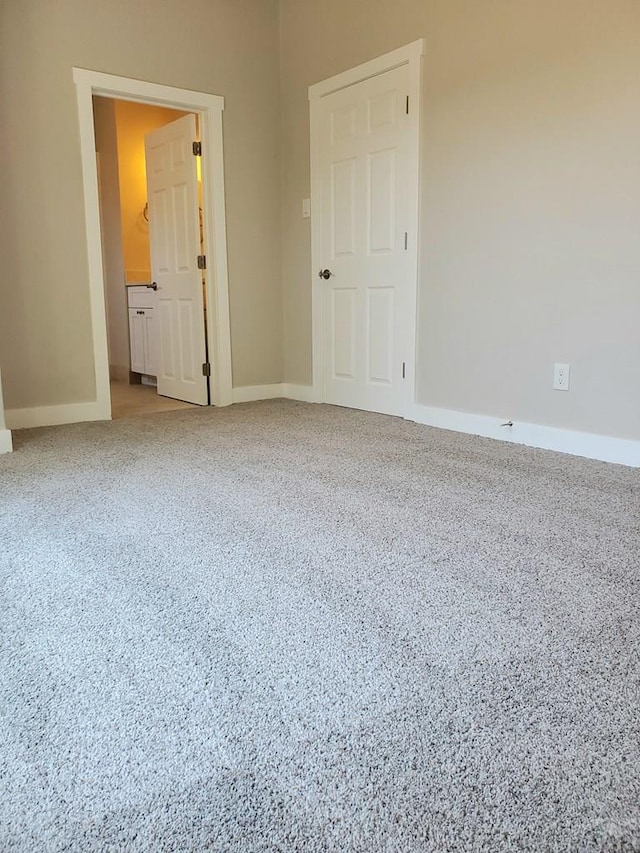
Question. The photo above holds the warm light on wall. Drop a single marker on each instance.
(133, 123)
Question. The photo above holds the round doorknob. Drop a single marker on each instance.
(325, 274)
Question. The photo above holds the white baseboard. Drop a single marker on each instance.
(55, 415)
(250, 393)
(303, 393)
(6, 445)
(78, 412)
(602, 447)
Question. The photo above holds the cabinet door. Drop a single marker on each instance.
(137, 334)
(150, 343)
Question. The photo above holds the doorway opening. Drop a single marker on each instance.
(122, 130)
(170, 201)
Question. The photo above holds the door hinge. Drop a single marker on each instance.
(206, 369)
(407, 105)
(202, 262)
(197, 149)
(404, 372)
(406, 240)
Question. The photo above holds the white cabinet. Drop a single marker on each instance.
(142, 337)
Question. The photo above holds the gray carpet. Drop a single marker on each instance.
(285, 627)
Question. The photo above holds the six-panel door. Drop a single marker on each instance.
(363, 185)
(366, 312)
(174, 231)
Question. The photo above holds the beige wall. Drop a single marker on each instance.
(226, 47)
(530, 215)
(133, 122)
(530, 188)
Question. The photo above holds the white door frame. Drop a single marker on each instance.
(410, 55)
(209, 109)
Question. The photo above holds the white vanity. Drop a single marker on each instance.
(143, 343)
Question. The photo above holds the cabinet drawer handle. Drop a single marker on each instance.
(140, 312)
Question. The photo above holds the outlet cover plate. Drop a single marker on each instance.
(561, 377)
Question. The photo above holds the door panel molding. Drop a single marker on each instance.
(209, 109)
(342, 126)
(175, 250)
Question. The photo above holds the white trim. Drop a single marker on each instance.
(605, 448)
(303, 393)
(142, 91)
(209, 109)
(316, 253)
(410, 55)
(6, 445)
(38, 416)
(250, 393)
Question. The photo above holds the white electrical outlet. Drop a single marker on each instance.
(561, 375)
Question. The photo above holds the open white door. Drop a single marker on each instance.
(174, 231)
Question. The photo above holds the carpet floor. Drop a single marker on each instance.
(286, 627)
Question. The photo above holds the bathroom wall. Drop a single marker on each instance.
(133, 122)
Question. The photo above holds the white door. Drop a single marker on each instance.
(368, 301)
(174, 232)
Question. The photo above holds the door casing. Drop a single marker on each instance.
(209, 110)
(410, 55)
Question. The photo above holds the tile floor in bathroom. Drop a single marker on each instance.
(131, 401)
